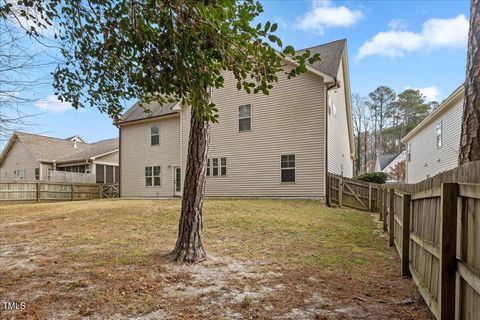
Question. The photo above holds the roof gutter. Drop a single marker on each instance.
(327, 181)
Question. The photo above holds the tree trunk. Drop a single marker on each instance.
(189, 246)
(470, 138)
(365, 150)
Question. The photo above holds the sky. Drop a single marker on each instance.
(401, 44)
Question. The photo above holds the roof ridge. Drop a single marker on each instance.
(44, 136)
(62, 139)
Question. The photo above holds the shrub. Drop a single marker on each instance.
(374, 177)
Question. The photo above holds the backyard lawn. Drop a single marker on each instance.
(268, 259)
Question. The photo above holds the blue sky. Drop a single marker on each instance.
(402, 44)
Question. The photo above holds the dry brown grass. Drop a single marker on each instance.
(285, 259)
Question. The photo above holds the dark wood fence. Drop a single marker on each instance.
(435, 226)
(43, 191)
(353, 193)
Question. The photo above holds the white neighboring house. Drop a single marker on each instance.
(263, 146)
(386, 163)
(31, 157)
(433, 145)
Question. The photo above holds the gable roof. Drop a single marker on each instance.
(385, 159)
(50, 149)
(330, 56)
(446, 104)
(137, 111)
(94, 150)
(76, 137)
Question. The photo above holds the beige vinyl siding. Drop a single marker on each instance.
(18, 158)
(339, 159)
(428, 160)
(288, 121)
(111, 158)
(137, 153)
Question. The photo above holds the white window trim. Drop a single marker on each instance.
(437, 136)
(152, 135)
(226, 167)
(219, 160)
(251, 118)
(152, 176)
(295, 168)
(218, 167)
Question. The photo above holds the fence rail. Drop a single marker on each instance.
(42, 191)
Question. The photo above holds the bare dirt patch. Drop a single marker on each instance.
(268, 259)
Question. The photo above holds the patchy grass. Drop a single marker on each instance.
(283, 259)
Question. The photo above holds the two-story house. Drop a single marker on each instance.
(263, 146)
(433, 145)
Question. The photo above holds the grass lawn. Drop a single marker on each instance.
(268, 259)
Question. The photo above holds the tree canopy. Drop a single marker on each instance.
(160, 50)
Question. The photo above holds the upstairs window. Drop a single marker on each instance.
(288, 168)
(409, 152)
(245, 118)
(152, 176)
(155, 135)
(438, 131)
(37, 173)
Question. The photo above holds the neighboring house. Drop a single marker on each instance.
(387, 162)
(263, 146)
(433, 145)
(33, 157)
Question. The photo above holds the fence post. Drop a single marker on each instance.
(73, 195)
(380, 204)
(378, 197)
(340, 191)
(391, 217)
(406, 235)
(369, 197)
(448, 246)
(38, 191)
(384, 208)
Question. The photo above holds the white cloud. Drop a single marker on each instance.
(52, 104)
(435, 34)
(397, 24)
(324, 15)
(431, 93)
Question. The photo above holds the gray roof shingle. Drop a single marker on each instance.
(95, 149)
(137, 111)
(55, 149)
(385, 159)
(330, 56)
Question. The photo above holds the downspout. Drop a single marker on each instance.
(119, 158)
(327, 181)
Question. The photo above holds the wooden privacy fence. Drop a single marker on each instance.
(42, 191)
(435, 227)
(353, 193)
(69, 177)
